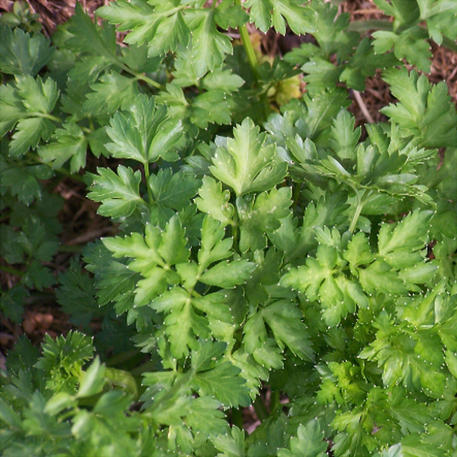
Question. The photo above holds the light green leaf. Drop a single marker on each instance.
(118, 193)
(265, 13)
(22, 53)
(173, 189)
(285, 321)
(246, 163)
(213, 246)
(215, 201)
(309, 442)
(209, 46)
(92, 380)
(144, 133)
(110, 93)
(162, 28)
(228, 274)
(69, 144)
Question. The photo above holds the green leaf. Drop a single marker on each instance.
(262, 216)
(222, 79)
(231, 445)
(118, 193)
(173, 247)
(203, 113)
(76, 294)
(152, 256)
(309, 442)
(182, 322)
(230, 14)
(145, 133)
(28, 107)
(92, 380)
(267, 13)
(173, 190)
(69, 144)
(246, 163)
(424, 111)
(162, 28)
(59, 402)
(215, 201)
(451, 362)
(8, 415)
(219, 379)
(115, 283)
(22, 53)
(344, 138)
(23, 181)
(410, 45)
(111, 93)
(401, 244)
(209, 46)
(213, 247)
(285, 321)
(89, 38)
(37, 96)
(228, 274)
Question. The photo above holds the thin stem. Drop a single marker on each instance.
(146, 175)
(46, 116)
(140, 76)
(246, 40)
(365, 26)
(356, 216)
(260, 409)
(195, 294)
(247, 44)
(149, 81)
(275, 401)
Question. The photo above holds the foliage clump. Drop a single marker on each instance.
(262, 239)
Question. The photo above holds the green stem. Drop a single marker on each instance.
(260, 409)
(140, 76)
(247, 44)
(195, 293)
(365, 26)
(11, 270)
(246, 40)
(146, 175)
(46, 116)
(356, 216)
(149, 81)
(275, 401)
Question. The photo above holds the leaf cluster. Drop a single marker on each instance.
(260, 240)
